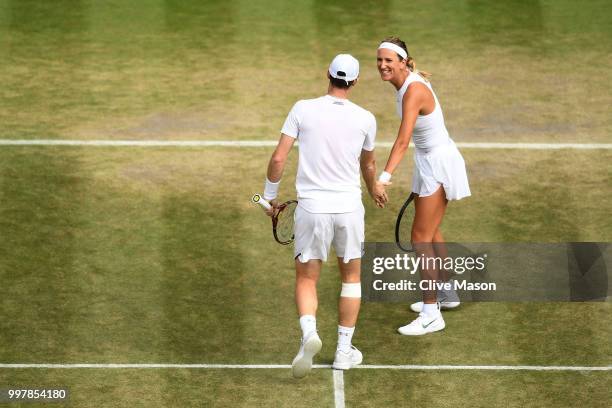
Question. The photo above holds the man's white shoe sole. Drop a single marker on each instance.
(302, 363)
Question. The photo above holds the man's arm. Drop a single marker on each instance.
(368, 171)
(276, 165)
(279, 158)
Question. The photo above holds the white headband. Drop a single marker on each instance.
(393, 47)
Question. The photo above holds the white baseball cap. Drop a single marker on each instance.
(344, 66)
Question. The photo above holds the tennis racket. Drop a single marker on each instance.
(282, 220)
(403, 225)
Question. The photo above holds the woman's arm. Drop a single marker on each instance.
(411, 106)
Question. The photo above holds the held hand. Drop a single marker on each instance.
(271, 211)
(379, 194)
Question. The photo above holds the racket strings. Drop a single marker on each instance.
(284, 223)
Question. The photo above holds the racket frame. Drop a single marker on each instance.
(258, 199)
(398, 222)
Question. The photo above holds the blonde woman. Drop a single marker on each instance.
(439, 172)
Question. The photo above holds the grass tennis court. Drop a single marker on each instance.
(137, 255)
(156, 255)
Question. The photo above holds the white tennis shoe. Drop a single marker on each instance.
(302, 363)
(346, 361)
(423, 324)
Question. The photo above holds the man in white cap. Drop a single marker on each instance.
(336, 139)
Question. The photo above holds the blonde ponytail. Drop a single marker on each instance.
(412, 67)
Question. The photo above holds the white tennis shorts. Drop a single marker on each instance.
(440, 166)
(316, 232)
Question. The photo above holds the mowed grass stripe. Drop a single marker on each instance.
(38, 253)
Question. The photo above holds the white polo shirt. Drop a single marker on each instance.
(331, 134)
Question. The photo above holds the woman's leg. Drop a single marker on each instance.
(441, 252)
(429, 212)
(425, 230)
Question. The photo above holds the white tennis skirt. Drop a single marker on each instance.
(440, 166)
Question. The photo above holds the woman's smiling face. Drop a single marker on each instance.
(389, 64)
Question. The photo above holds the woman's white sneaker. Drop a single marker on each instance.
(423, 324)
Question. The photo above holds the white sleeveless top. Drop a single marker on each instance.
(429, 130)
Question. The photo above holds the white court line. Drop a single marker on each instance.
(139, 143)
(339, 388)
(486, 367)
(272, 143)
(287, 366)
(535, 146)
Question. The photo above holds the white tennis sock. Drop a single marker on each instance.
(308, 323)
(345, 335)
(430, 309)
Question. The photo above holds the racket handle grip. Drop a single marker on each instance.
(258, 199)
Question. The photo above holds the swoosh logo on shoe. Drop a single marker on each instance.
(428, 324)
